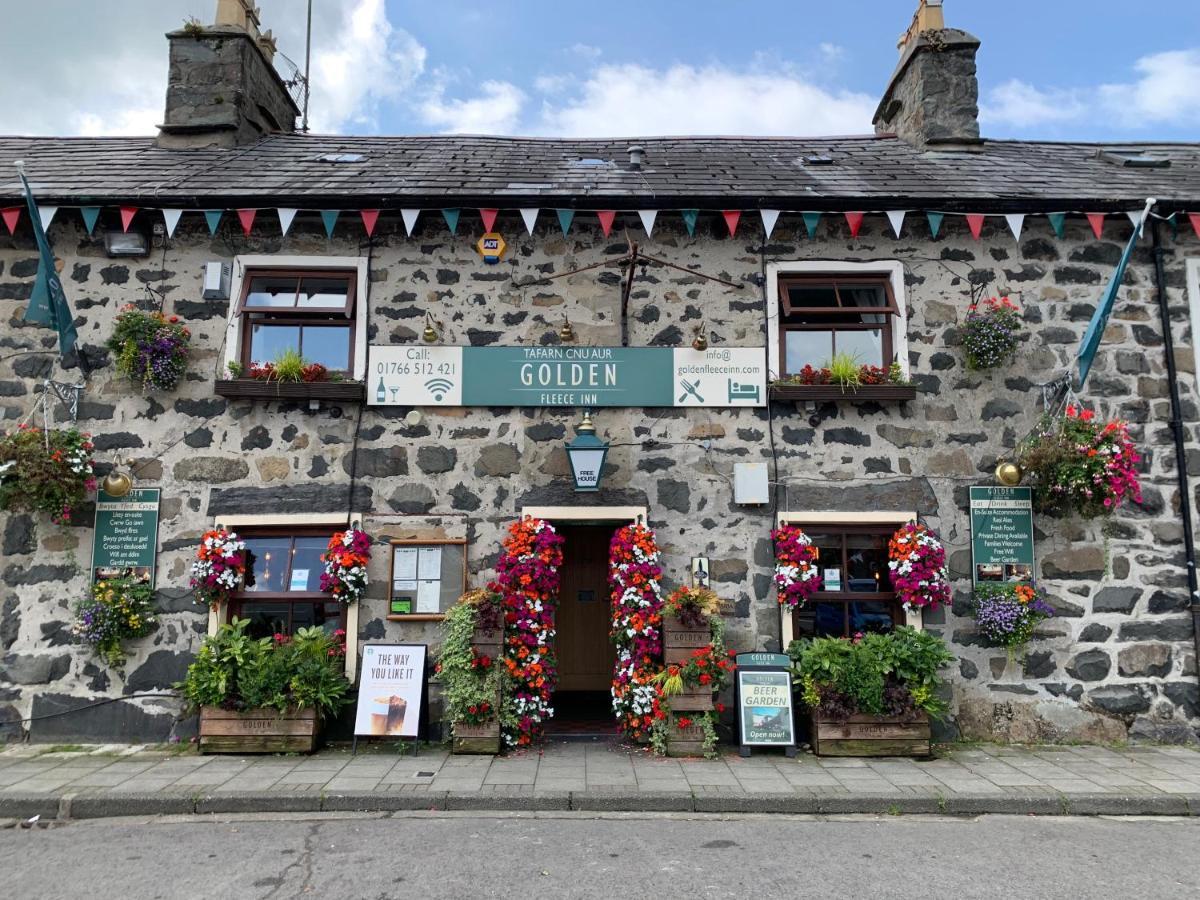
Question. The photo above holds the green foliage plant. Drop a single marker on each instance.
(845, 371)
(471, 682)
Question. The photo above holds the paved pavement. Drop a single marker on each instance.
(110, 781)
(402, 855)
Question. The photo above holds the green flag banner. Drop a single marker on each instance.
(48, 302)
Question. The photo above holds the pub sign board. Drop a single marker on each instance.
(585, 377)
(1001, 534)
(766, 717)
(125, 537)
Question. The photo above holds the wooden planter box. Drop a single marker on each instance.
(880, 393)
(679, 640)
(684, 741)
(256, 389)
(258, 730)
(693, 699)
(487, 640)
(863, 735)
(477, 738)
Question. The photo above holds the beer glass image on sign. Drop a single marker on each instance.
(387, 715)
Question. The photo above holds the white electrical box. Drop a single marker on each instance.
(750, 484)
(216, 280)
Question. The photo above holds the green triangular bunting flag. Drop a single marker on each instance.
(689, 219)
(811, 221)
(1056, 222)
(565, 216)
(935, 222)
(329, 217)
(451, 217)
(214, 219)
(90, 215)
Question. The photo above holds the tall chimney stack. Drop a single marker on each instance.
(222, 88)
(933, 96)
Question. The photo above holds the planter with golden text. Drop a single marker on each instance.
(483, 738)
(681, 641)
(866, 735)
(258, 730)
(685, 735)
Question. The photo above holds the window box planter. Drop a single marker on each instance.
(887, 393)
(679, 640)
(258, 730)
(865, 735)
(255, 389)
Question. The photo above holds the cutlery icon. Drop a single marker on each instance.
(689, 388)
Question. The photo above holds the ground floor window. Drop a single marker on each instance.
(856, 594)
(282, 591)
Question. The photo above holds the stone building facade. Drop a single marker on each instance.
(1117, 661)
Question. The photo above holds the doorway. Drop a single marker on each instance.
(586, 655)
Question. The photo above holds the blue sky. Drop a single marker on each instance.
(1053, 69)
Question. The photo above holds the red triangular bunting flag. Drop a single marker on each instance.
(489, 218)
(975, 223)
(246, 217)
(11, 216)
(1194, 217)
(606, 217)
(854, 220)
(127, 214)
(369, 217)
(1097, 222)
(731, 220)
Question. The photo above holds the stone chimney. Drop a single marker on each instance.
(222, 89)
(933, 96)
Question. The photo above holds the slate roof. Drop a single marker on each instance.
(869, 172)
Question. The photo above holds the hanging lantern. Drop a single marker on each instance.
(118, 482)
(1009, 473)
(587, 453)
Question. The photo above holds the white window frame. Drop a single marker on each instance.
(892, 268)
(336, 521)
(357, 264)
(834, 518)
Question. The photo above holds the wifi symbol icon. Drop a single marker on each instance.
(439, 387)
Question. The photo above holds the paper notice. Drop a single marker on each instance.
(429, 563)
(299, 580)
(429, 596)
(404, 567)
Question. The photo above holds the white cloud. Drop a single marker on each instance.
(1016, 102)
(682, 99)
(831, 52)
(585, 51)
(1167, 91)
(496, 111)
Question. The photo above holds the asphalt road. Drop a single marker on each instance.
(578, 855)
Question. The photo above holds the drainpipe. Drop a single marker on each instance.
(1176, 425)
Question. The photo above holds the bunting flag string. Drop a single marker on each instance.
(565, 216)
(369, 218)
(489, 218)
(529, 217)
(1058, 223)
(410, 219)
(451, 218)
(811, 221)
(1016, 221)
(690, 217)
(854, 220)
(606, 217)
(975, 223)
(1096, 220)
(213, 217)
(90, 216)
(1135, 219)
(47, 213)
(1194, 218)
(246, 217)
(11, 216)
(170, 219)
(648, 216)
(127, 214)
(286, 215)
(769, 218)
(935, 222)
(329, 218)
(731, 217)
(896, 217)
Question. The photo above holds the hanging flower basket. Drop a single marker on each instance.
(346, 560)
(1077, 465)
(991, 334)
(150, 349)
(219, 567)
(45, 471)
(1007, 614)
(115, 611)
(797, 576)
(527, 578)
(635, 576)
(917, 567)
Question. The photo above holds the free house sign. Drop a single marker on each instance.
(567, 376)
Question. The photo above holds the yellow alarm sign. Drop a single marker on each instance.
(491, 247)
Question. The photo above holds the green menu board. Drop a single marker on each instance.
(1001, 534)
(125, 540)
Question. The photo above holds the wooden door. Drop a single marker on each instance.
(585, 653)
